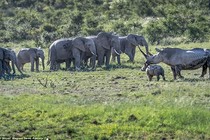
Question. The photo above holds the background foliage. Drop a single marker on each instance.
(161, 21)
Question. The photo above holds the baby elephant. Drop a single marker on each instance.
(153, 70)
(30, 55)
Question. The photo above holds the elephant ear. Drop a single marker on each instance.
(104, 40)
(33, 51)
(79, 43)
(132, 39)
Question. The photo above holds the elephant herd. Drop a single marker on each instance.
(92, 51)
(81, 51)
(25, 55)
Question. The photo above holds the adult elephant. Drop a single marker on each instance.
(104, 42)
(128, 46)
(58, 54)
(81, 47)
(30, 55)
(7, 55)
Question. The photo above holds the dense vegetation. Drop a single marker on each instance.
(43, 21)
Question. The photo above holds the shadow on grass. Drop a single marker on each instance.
(127, 65)
(115, 67)
(14, 76)
(190, 80)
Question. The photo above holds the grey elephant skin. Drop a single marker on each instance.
(104, 43)
(66, 50)
(82, 47)
(58, 54)
(154, 70)
(7, 55)
(30, 55)
(128, 46)
(179, 59)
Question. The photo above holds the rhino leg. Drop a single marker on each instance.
(174, 72)
(150, 77)
(204, 70)
(163, 76)
(158, 77)
(178, 71)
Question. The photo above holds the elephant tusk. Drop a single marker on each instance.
(93, 53)
(116, 52)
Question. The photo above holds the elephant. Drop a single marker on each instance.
(81, 47)
(128, 46)
(7, 55)
(30, 55)
(58, 54)
(104, 42)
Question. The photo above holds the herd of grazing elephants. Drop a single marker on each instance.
(83, 51)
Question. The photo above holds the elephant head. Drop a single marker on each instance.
(108, 41)
(137, 40)
(85, 45)
(37, 53)
(10, 55)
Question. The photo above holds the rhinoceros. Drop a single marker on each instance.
(180, 59)
(153, 70)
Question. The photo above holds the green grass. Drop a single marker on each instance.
(119, 103)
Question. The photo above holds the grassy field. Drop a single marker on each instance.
(119, 103)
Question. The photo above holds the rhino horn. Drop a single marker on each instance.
(142, 52)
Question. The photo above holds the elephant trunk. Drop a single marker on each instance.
(146, 47)
(14, 62)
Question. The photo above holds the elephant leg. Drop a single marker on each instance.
(93, 62)
(130, 56)
(133, 54)
(37, 65)
(32, 64)
(1, 69)
(82, 58)
(100, 60)
(67, 64)
(57, 66)
(77, 57)
(20, 65)
(51, 65)
(113, 57)
(118, 59)
(7, 68)
(209, 72)
(108, 55)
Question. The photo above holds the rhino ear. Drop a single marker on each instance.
(158, 50)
